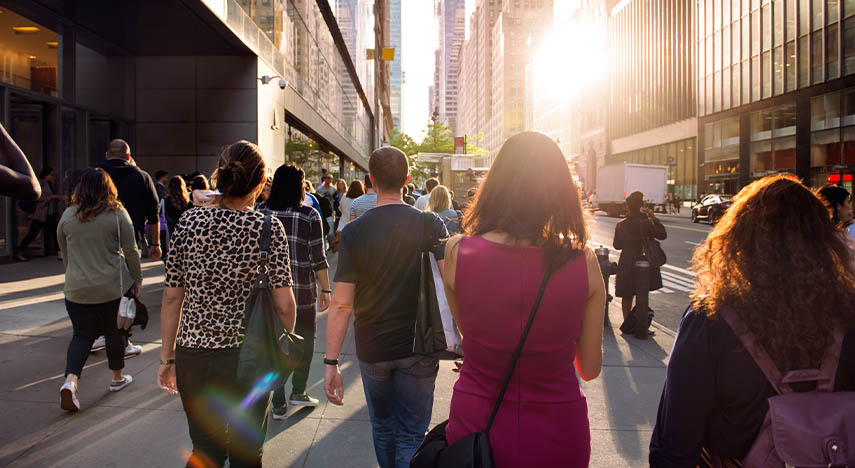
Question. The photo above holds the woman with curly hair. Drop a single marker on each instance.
(97, 241)
(780, 265)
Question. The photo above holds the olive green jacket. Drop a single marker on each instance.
(90, 252)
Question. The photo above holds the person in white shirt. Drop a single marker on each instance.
(422, 202)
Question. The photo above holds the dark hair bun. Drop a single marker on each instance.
(240, 170)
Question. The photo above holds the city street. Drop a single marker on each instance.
(670, 302)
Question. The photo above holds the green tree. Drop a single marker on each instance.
(403, 142)
(438, 138)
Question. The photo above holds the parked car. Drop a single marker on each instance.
(711, 208)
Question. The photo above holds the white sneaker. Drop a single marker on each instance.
(117, 385)
(132, 350)
(68, 397)
(99, 344)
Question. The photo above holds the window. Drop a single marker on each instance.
(778, 70)
(816, 11)
(804, 16)
(717, 51)
(790, 66)
(755, 78)
(831, 52)
(849, 46)
(755, 33)
(790, 25)
(746, 38)
(779, 22)
(804, 62)
(725, 86)
(848, 8)
(28, 60)
(735, 43)
(766, 76)
(832, 11)
(816, 61)
(746, 82)
(767, 27)
(735, 85)
(761, 125)
(825, 111)
(726, 46)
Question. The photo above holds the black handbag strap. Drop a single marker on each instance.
(264, 249)
(518, 351)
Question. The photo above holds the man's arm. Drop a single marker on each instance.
(151, 213)
(17, 178)
(337, 321)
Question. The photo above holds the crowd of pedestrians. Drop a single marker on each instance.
(779, 251)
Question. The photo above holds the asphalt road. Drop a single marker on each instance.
(670, 302)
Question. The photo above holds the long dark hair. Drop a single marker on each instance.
(288, 190)
(530, 194)
(776, 258)
(94, 193)
(177, 190)
(356, 190)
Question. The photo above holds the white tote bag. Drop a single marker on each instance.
(127, 305)
(452, 335)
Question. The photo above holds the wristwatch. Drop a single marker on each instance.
(167, 362)
(331, 362)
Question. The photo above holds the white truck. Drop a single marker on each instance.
(616, 182)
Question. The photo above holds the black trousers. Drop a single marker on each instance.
(224, 419)
(51, 246)
(89, 321)
(306, 327)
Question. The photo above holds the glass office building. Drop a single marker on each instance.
(179, 82)
(776, 91)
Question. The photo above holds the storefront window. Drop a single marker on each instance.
(761, 125)
(28, 54)
(761, 159)
(825, 148)
(825, 111)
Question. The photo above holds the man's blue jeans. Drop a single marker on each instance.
(400, 401)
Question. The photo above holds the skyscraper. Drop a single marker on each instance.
(452, 32)
(396, 78)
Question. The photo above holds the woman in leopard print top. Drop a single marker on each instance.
(212, 261)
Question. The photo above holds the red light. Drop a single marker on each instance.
(833, 178)
(847, 177)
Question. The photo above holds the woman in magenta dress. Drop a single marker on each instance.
(527, 216)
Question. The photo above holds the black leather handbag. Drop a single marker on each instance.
(472, 451)
(651, 250)
(268, 349)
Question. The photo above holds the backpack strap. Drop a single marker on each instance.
(824, 376)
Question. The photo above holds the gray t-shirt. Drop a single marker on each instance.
(363, 204)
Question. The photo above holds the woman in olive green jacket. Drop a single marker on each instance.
(91, 233)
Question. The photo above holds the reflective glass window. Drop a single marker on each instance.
(785, 154)
(716, 15)
(746, 82)
(816, 62)
(761, 159)
(790, 26)
(804, 16)
(848, 108)
(825, 148)
(725, 12)
(825, 111)
(767, 27)
(784, 123)
(717, 92)
(755, 32)
(28, 54)
(761, 125)
(755, 78)
(778, 26)
(735, 43)
(736, 85)
(746, 38)
(832, 11)
(709, 17)
(710, 55)
(710, 97)
(848, 8)
(725, 47)
(832, 60)
(790, 66)
(717, 51)
(765, 75)
(804, 62)
(778, 70)
(816, 13)
(849, 46)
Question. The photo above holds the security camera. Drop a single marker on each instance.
(283, 83)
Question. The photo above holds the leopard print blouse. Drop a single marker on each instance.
(213, 255)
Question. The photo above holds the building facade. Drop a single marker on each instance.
(72, 78)
(776, 91)
(451, 16)
(396, 73)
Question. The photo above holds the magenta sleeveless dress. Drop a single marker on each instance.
(543, 420)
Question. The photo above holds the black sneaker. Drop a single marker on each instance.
(302, 399)
(280, 413)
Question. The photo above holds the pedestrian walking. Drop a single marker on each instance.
(440, 203)
(308, 267)
(508, 240)
(102, 264)
(377, 280)
(17, 179)
(356, 190)
(364, 203)
(160, 184)
(775, 265)
(422, 202)
(340, 192)
(176, 203)
(630, 234)
(137, 194)
(311, 200)
(261, 202)
(214, 257)
(44, 217)
(200, 191)
(408, 195)
(839, 203)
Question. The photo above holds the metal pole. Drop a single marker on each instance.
(642, 292)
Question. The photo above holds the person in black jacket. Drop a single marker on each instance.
(629, 234)
(136, 192)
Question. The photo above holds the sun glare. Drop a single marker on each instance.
(570, 59)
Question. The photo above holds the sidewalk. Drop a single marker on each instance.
(143, 427)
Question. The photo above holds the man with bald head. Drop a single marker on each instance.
(136, 192)
(377, 280)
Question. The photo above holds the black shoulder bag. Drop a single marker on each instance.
(472, 451)
(268, 349)
(651, 249)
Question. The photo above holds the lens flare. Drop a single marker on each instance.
(264, 385)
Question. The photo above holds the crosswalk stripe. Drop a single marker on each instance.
(676, 286)
(678, 279)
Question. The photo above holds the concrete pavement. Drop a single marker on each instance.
(143, 427)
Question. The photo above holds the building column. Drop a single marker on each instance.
(744, 149)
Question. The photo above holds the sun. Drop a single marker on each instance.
(572, 57)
